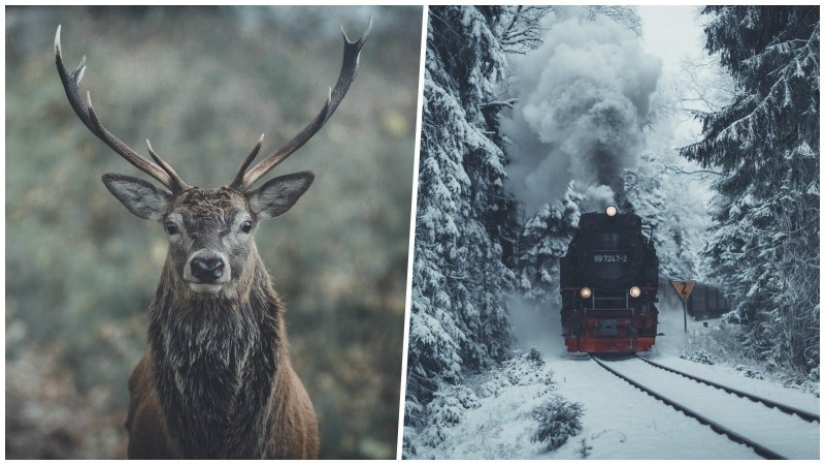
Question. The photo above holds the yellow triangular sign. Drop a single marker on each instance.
(683, 288)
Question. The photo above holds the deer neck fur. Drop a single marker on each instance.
(215, 360)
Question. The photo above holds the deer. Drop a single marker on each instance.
(216, 379)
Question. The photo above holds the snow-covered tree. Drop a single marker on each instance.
(544, 241)
(766, 142)
(519, 28)
(621, 14)
(458, 320)
(659, 194)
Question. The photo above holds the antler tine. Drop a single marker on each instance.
(237, 183)
(85, 111)
(349, 68)
(177, 183)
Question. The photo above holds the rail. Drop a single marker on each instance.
(805, 415)
(758, 448)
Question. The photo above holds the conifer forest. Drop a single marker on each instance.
(517, 102)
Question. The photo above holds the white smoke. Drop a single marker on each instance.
(598, 197)
(582, 97)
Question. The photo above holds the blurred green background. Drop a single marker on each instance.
(202, 83)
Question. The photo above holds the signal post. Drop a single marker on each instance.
(683, 288)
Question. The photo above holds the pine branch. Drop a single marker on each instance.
(509, 103)
(690, 173)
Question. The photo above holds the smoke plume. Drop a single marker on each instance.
(582, 97)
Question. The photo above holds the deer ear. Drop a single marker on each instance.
(278, 195)
(140, 197)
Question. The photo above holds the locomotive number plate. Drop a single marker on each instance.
(610, 257)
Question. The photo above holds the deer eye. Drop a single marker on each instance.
(171, 228)
(246, 226)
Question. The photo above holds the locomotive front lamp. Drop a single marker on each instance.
(586, 292)
(611, 211)
(635, 292)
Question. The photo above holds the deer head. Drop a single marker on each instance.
(210, 230)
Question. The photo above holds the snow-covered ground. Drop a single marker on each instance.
(788, 435)
(618, 422)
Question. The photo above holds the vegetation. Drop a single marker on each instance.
(559, 419)
(765, 141)
(458, 320)
(202, 84)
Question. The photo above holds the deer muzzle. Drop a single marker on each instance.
(207, 271)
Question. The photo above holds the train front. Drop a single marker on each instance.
(609, 284)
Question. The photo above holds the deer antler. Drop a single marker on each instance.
(352, 50)
(85, 111)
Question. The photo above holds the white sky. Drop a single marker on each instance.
(671, 33)
(674, 33)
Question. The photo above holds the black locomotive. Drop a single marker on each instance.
(609, 284)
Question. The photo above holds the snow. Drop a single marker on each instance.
(623, 423)
(789, 436)
(461, 278)
(619, 421)
(728, 376)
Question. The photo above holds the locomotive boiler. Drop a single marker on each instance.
(609, 282)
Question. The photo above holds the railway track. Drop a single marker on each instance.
(804, 414)
(726, 410)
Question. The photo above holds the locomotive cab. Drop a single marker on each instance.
(609, 285)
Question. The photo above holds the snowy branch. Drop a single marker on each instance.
(690, 173)
(509, 103)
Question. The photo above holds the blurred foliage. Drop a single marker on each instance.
(202, 83)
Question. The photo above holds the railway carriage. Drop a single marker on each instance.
(609, 285)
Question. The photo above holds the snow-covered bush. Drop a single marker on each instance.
(721, 344)
(584, 448)
(431, 437)
(535, 357)
(528, 369)
(697, 356)
(749, 372)
(811, 383)
(466, 397)
(559, 419)
(510, 411)
(524, 370)
(493, 386)
(410, 443)
(447, 409)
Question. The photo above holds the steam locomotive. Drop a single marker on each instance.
(609, 282)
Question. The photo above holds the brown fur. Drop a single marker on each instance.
(216, 381)
(294, 432)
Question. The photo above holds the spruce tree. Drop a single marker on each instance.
(765, 246)
(458, 319)
(544, 241)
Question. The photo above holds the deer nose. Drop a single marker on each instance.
(207, 270)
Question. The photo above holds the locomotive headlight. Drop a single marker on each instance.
(586, 292)
(611, 211)
(635, 292)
